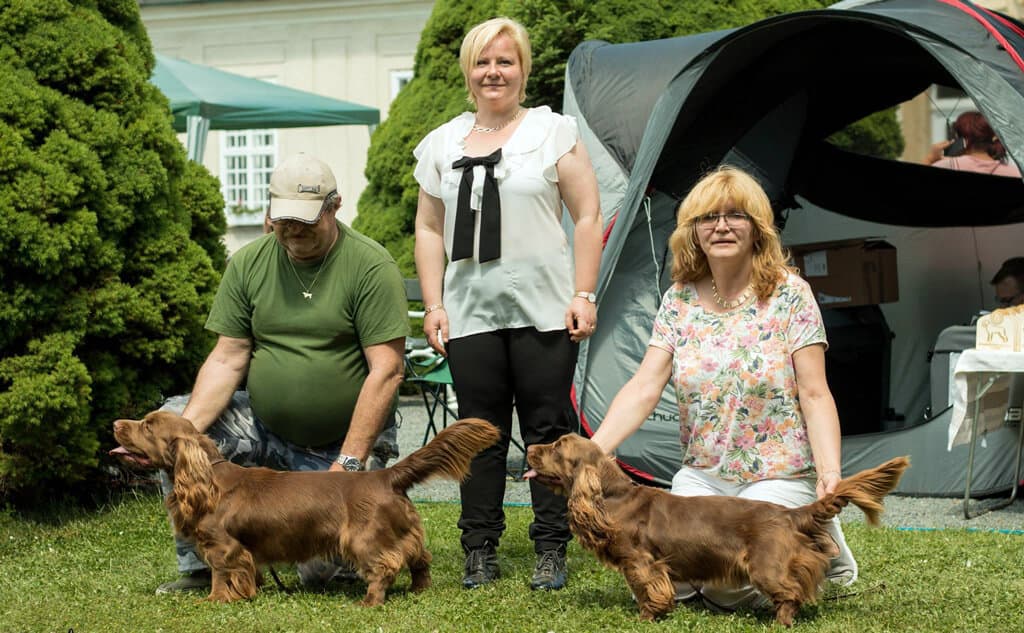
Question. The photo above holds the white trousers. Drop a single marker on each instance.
(692, 482)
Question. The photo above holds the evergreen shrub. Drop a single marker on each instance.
(110, 241)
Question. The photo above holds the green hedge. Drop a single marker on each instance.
(110, 241)
(387, 207)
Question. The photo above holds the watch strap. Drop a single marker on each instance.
(350, 463)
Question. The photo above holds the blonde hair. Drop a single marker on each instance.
(724, 189)
(481, 35)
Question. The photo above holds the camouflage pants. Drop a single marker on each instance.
(242, 439)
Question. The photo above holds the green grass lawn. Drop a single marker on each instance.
(96, 571)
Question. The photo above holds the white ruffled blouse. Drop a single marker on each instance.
(532, 283)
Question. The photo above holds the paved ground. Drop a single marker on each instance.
(907, 512)
(413, 420)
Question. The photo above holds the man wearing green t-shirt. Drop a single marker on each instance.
(311, 323)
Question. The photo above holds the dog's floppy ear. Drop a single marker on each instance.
(586, 509)
(195, 493)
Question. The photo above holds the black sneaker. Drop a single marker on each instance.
(481, 566)
(550, 572)
(191, 581)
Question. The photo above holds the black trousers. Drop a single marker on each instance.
(492, 372)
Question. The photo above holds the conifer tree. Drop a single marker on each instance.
(110, 244)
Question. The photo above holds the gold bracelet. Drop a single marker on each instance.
(437, 306)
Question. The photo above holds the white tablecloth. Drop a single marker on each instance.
(975, 367)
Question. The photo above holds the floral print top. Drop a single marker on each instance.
(734, 379)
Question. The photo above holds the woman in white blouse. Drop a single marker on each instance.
(514, 299)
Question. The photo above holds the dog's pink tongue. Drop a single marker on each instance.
(530, 474)
(124, 453)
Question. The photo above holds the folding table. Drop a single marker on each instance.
(980, 394)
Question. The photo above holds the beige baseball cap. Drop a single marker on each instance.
(298, 188)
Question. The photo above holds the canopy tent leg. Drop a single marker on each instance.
(197, 128)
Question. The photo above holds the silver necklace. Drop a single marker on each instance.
(307, 291)
(488, 130)
(729, 305)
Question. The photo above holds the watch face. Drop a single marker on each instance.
(351, 464)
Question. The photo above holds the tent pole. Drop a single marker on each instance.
(196, 130)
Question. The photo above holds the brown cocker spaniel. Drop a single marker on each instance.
(654, 538)
(242, 518)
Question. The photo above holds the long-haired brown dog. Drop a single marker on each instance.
(241, 518)
(654, 538)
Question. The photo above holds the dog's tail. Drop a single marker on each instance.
(448, 455)
(864, 490)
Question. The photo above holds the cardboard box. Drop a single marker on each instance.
(852, 272)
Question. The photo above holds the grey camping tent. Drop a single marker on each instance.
(655, 115)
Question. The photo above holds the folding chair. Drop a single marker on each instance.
(428, 371)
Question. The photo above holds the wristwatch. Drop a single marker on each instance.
(350, 463)
(589, 296)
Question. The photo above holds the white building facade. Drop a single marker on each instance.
(354, 50)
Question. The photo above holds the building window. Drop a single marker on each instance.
(247, 159)
(947, 104)
(399, 79)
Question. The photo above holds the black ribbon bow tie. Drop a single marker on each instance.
(490, 210)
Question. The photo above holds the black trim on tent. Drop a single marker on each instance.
(875, 189)
(764, 68)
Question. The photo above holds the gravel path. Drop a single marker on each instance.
(905, 512)
(413, 425)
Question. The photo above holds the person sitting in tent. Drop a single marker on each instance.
(1008, 283)
(741, 337)
(981, 152)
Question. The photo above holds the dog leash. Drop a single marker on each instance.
(273, 572)
(277, 581)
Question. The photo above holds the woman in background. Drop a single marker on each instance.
(982, 153)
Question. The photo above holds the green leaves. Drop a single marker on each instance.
(44, 414)
(387, 207)
(110, 245)
(877, 134)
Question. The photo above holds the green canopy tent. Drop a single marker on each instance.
(204, 98)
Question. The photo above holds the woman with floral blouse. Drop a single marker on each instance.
(741, 337)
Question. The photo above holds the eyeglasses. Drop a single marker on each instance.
(733, 219)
